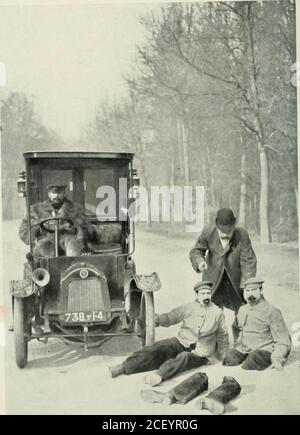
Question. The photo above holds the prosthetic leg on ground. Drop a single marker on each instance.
(216, 400)
(182, 393)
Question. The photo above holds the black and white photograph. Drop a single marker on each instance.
(149, 225)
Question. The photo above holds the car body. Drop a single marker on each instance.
(89, 298)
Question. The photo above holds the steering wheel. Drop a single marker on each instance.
(48, 224)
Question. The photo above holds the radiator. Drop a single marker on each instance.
(85, 295)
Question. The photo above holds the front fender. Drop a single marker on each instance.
(147, 283)
(21, 288)
(134, 288)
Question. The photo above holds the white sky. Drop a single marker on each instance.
(69, 55)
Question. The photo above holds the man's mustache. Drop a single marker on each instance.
(56, 200)
(251, 298)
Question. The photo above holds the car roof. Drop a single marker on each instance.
(78, 154)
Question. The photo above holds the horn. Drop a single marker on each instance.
(41, 277)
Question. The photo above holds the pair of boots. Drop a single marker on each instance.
(194, 386)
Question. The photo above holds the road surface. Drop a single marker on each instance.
(63, 379)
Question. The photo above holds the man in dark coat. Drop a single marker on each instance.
(72, 241)
(224, 254)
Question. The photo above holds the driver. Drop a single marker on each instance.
(72, 240)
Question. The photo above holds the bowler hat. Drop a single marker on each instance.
(225, 217)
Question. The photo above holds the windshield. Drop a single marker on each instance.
(91, 184)
(93, 180)
(59, 177)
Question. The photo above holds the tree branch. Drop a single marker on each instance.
(232, 8)
(247, 125)
(198, 69)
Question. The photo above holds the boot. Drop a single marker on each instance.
(152, 396)
(117, 371)
(216, 400)
(182, 393)
(190, 388)
(153, 379)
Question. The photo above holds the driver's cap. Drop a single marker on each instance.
(203, 285)
(253, 283)
(55, 187)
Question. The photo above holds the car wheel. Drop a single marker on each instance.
(147, 319)
(21, 343)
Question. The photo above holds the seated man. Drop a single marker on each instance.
(72, 241)
(264, 338)
(202, 334)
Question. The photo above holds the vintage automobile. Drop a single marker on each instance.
(92, 297)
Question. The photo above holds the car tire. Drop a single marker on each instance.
(147, 319)
(21, 343)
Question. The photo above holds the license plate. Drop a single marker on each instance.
(90, 316)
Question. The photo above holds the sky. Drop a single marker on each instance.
(70, 56)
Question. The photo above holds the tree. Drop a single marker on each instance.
(212, 86)
(21, 131)
(223, 48)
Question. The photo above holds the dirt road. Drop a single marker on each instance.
(61, 379)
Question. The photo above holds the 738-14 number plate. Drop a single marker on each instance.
(90, 316)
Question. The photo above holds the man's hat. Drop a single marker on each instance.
(56, 186)
(203, 285)
(225, 217)
(253, 283)
(57, 181)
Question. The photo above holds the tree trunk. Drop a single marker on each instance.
(8, 193)
(242, 216)
(172, 183)
(265, 235)
(180, 150)
(147, 186)
(185, 154)
(281, 217)
(211, 178)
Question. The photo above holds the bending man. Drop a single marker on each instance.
(224, 253)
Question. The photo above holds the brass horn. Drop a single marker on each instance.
(41, 277)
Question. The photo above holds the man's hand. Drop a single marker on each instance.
(156, 320)
(202, 266)
(277, 365)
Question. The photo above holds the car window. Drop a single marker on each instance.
(93, 179)
(58, 176)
